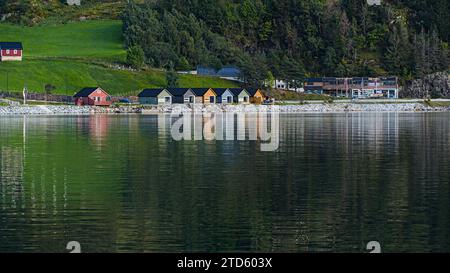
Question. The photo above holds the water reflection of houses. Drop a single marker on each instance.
(94, 126)
(372, 130)
(98, 127)
(215, 126)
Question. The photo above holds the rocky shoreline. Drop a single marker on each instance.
(306, 108)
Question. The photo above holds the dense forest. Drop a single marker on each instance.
(291, 39)
(267, 39)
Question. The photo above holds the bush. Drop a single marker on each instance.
(49, 88)
(135, 57)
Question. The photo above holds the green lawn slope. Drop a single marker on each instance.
(99, 39)
(70, 76)
(78, 54)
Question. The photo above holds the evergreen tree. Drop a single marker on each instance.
(172, 79)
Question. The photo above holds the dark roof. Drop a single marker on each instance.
(312, 87)
(206, 71)
(177, 92)
(388, 78)
(152, 93)
(252, 91)
(220, 91)
(226, 71)
(85, 92)
(360, 78)
(236, 91)
(328, 79)
(314, 80)
(199, 91)
(11, 45)
(229, 71)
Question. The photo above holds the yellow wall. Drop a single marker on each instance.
(209, 93)
(258, 98)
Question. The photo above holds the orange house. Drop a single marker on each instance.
(256, 95)
(204, 95)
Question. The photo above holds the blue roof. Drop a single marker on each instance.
(220, 91)
(11, 45)
(252, 91)
(177, 92)
(314, 80)
(199, 91)
(236, 91)
(229, 71)
(226, 71)
(85, 92)
(203, 70)
(150, 93)
(311, 88)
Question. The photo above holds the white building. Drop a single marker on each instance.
(280, 84)
(74, 2)
(374, 2)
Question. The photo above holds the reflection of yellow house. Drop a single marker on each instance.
(256, 95)
(206, 95)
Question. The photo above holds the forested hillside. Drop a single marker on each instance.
(32, 12)
(68, 48)
(284, 39)
(289, 39)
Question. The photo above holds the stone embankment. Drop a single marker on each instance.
(307, 108)
(63, 110)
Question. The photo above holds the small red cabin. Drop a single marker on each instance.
(11, 51)
(92, 96)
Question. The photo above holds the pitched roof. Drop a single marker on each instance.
(252, 91)
(220, 91)
(85, 92)
(229, 71)
(177, 92)
(312, 88)
(310, 80)
(206, 71)
(199, 91)
(237, 91)
(152, 93)
(11, 45)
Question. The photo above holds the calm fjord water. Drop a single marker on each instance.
(122, 184)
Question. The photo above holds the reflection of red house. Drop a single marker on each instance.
(98, 127)
(92, 96)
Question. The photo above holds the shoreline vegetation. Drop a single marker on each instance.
(61, 109)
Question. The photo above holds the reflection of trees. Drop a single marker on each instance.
(360, 178)
(11, 175)
(337, 182)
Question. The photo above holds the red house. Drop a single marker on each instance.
(92, 96)
(11, 51)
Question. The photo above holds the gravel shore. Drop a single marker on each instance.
(307, 108)
(63, 110)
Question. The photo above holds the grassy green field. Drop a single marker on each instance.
(99, 39)
(70, 76)
(75, 55)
